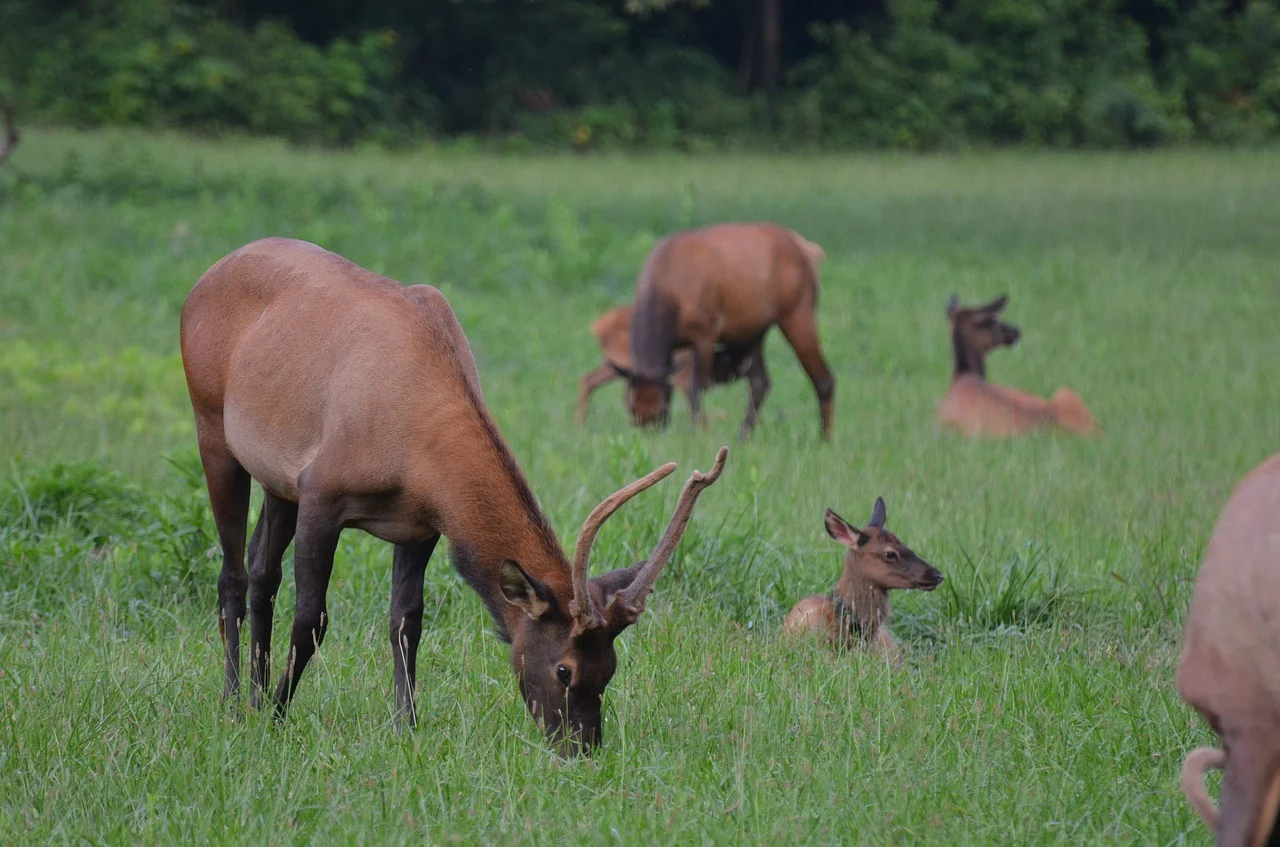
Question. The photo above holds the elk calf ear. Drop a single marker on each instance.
(997, 304)
(522, 590)
(877, 514)
(953, 306)
(839, 529)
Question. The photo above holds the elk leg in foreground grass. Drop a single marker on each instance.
(758, 376)
(409, 564)
(800, 328)
(228, 484)
(317, 541)
(590, 383)
(271, 537)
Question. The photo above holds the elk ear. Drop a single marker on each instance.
(997, 304)
(522, 590)
(839, 529)
(953, 306)
(877, 514)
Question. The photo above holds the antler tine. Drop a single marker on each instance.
(1199, 761)
(630, 600)
(582, 609)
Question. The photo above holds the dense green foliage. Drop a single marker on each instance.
(918, 74)
(1037, 705)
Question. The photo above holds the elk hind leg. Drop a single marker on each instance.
(800, 328)
(409, 564)
(228, 484)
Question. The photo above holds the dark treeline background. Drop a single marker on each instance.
(688, 74)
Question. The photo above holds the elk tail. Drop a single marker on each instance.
(1194, 767)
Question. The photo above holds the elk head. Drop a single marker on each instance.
(564, 657)
(977, 331)
(878, 556)
(648, 400)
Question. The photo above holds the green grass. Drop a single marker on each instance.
(1037, 703)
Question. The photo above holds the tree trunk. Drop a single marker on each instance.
(770, 42)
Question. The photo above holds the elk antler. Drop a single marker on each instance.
(1199, 761)
(628, 603)
(10, 133)
(582, 609)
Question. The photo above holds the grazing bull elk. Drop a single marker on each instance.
(726, 284)
(355, 402)
(856, 612)
(613, 332)
(1230, 664)
(976, 407)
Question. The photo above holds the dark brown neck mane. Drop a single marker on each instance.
(866, 603)
(653, 329)
(509, 524)
(967, 360)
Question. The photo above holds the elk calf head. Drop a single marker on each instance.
(977, 331)
(879, 557)
(648, 401)
(565, 657)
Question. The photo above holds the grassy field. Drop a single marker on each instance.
(1037, 703)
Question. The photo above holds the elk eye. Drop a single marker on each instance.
(564, 673)
(891, 555)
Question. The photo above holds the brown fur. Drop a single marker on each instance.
(856, 612)
(978, 408)
(1229, 669)
(725, 285)
(613, 333)
(355, 402)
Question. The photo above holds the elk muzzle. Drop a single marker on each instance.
(649, 403)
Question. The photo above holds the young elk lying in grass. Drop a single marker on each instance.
(725, 285)
(856, 611)
(355, 402)
(1230, 664)
(976, 407)
(613, 332)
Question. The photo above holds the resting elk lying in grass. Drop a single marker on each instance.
(355, 402)
(613, 332)
(1230, 664)
(976, 407)
(725, 285)
(856, 612)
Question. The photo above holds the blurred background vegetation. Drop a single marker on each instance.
(665, 74)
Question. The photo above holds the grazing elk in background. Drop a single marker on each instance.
(726, 285)
(613, 332)
(355, 402)
(976, 407)
(1229, 669)
(856, 611)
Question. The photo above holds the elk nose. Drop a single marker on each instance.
(1013, 334)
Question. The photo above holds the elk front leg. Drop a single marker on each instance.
(758, 376)
(317, 541)
(590, 382)
(704, 352)
(271, 537)
(409, 564)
